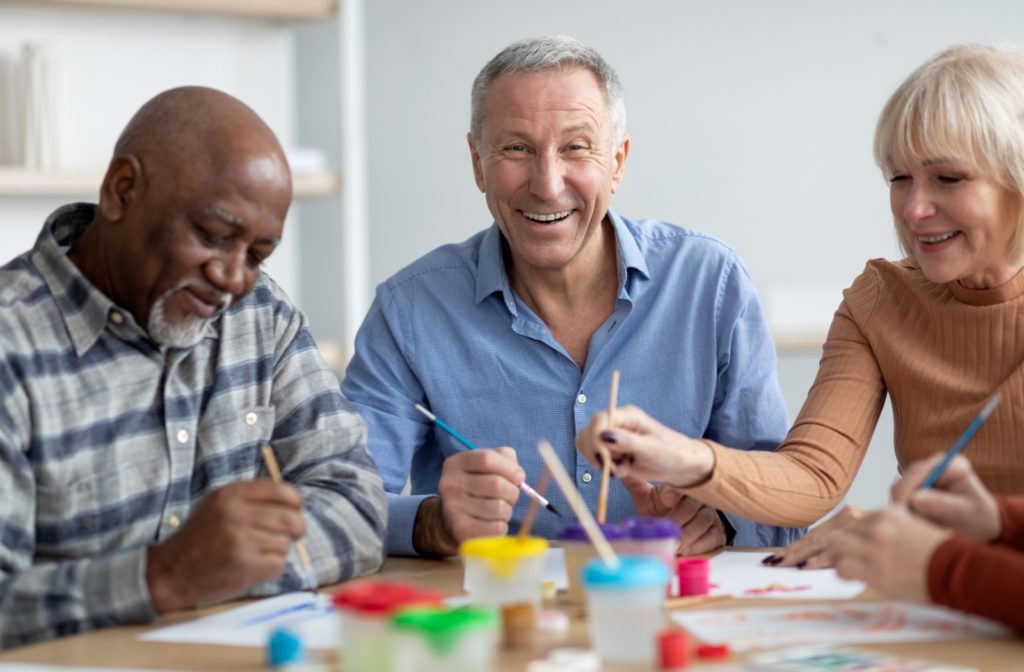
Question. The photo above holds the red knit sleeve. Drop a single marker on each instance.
(979, 579)
(1012, 511)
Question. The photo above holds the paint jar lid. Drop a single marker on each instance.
(575, 532)
(634, 571)
(284, 647)
(503, 548)
(442, 628)
(651, 528)
(379, 598)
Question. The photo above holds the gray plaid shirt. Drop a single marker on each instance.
(107, 441)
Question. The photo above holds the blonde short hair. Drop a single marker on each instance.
(967, 102)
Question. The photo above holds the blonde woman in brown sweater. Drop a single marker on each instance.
(939, 331)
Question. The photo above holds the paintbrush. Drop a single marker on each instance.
(524, 486)
(300, 548)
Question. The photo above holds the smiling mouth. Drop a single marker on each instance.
(931, 240)
(547, 218)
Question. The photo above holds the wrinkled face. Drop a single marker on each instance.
(196, 240)
(957, 220)
(546, 164)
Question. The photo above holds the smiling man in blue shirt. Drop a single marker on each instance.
(512, 335)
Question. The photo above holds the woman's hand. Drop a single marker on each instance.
(958, 500)
(814, 549)
(889, 550)
(644, 449)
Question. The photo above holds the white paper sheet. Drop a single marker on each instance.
(742, 575)
(553, 570)
(312, 619)
(852, 623)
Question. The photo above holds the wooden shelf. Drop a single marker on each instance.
(27, 183)
(265, 9)
(798, 342)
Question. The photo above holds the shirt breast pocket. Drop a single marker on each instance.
(229, 443)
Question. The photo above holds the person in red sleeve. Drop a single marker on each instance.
(954, 544)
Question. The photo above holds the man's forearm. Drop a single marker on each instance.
(430, 535)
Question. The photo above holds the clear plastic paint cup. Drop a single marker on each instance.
(365, 610)
(658, 537)
(579, 551)
(445, 640)
(626, 606)
(692, 576)
(504, 570)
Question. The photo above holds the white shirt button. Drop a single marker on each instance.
(582, 399)
(182, 436)
(173, 521)
(586, 477)
(250, 418)
(116, 317)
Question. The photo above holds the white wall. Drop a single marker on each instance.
(750, 120)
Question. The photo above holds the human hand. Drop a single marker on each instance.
(958, 500)
(813, 550)
(642, 447)
(701, 530)
(889, 550)
(238, 536)
(477, 491)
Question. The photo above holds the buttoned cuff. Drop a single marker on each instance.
(402, 511)
(118, 582)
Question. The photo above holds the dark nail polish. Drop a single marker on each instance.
(801, 564)
(770, 560)
(609, 437)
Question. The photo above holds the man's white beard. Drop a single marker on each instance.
(191, 332)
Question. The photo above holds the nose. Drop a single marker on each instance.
(228, 272)
(918, 205)
(548, 177)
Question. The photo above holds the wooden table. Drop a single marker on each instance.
(119, 647)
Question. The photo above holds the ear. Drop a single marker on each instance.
(620, 162)
(478, 172)
(121, 186)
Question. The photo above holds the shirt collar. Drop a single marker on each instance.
(86, 311)
(491, 276)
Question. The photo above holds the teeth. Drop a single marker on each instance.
(553, 217)
(937, 239)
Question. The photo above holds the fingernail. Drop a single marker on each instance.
(802, 564)
(770, 560)
(609, 437)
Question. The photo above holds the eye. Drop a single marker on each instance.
(256, 260)
(951, 179)
(208, 237)
(898, 178)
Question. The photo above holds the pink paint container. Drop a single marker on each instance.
(692, 576)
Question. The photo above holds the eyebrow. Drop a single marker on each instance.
(939, 159)
(237, 222)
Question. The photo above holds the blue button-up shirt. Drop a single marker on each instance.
(687, 334)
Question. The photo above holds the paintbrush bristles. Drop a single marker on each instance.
(606, 458)
(572, 495)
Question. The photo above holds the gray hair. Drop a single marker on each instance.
(541, 54)
(967, 101)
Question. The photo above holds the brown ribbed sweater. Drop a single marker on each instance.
(940, 351)
(984, 579)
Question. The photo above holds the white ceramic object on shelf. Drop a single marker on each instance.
(38, 107)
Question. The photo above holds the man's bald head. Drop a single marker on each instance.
(193, 202)
(200, 126)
